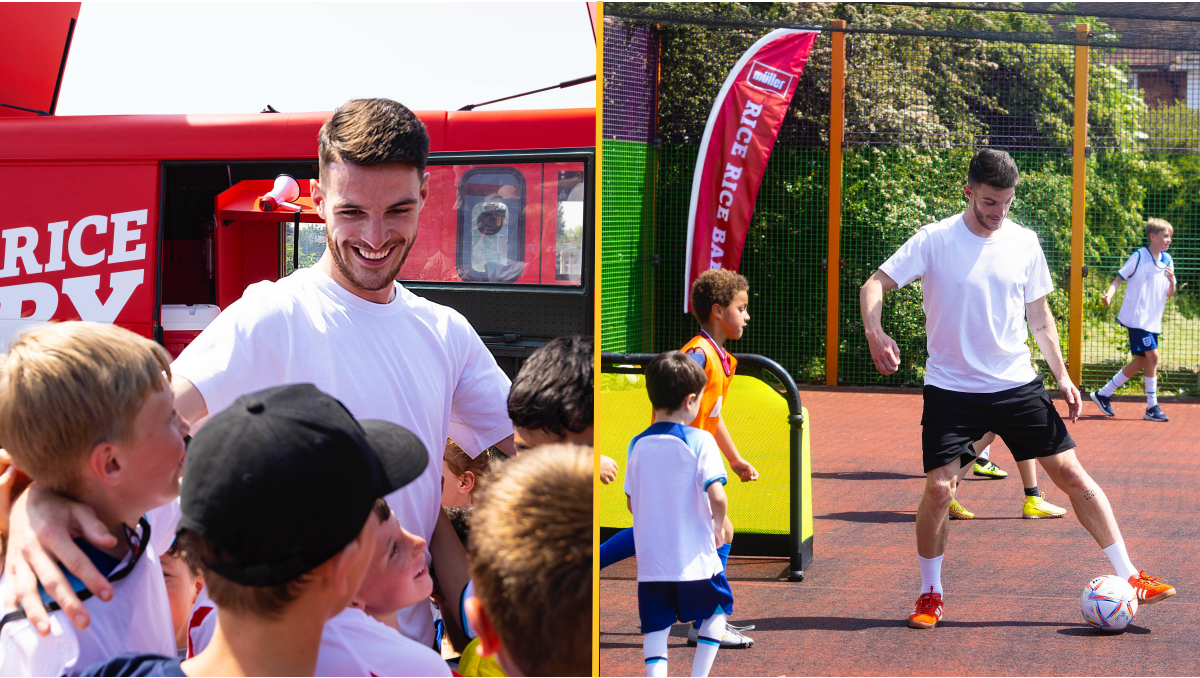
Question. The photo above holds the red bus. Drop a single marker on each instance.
(153, 222)
(133, 219)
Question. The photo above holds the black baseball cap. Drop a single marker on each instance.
(285, 478)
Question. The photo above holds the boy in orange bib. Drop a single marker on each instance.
(719, 300)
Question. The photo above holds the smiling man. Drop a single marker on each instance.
(348, 327)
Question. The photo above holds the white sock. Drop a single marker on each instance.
(1151, 391)
(1120, 560)
(931, 574)
(712, 629)
(983, 456)
(1115, 383)
(654, 649)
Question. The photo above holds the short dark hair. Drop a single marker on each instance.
(370, 132)
(270, 602)
(177, 551)
(553, 391)
(715, 286)
(671, 377)
(994, 168)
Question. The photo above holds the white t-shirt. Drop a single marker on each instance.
(669, 470)
(975, 291)
(201, 624)
(411, 362)
(355, 644)
(137, 619)
(1146, 288)
(352, 644)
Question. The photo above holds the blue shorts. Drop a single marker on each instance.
(1141, 341)
(660, 603)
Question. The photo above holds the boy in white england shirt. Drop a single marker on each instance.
(86, 409)
(675, 489)
(1150, 274)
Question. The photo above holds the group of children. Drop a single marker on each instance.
(263, 545)
(681, 531)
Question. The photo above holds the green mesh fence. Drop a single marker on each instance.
(1144, 164)
(925, 86)
(628, 232)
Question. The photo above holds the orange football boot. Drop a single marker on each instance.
(928, 611)
(1149, 589)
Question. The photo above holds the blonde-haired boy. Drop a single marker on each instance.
(86, 410)
(531, 562)
(1150, 274)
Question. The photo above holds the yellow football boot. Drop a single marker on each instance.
(958, 513)
(989, 470)
(1038, 507)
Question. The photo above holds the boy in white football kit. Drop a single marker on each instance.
(674, 486)
(1150, 277)
(982, 277)
(110, 386)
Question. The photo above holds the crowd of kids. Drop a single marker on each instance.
(264, 545)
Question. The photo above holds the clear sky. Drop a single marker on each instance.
(142, 58)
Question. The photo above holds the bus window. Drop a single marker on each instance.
(568, 243)
(491, 224)
(312, 245)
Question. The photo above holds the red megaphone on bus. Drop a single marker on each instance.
(285, 190)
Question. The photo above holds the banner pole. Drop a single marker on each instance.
(833, 260)
(1078, 203)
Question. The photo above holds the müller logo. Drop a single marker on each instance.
(769, 79)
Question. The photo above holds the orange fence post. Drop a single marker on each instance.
(833, 260)
(1078, 204)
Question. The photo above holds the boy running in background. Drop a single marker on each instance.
(675, 489)
(1150, 274)
(719, 300)
(86, 410)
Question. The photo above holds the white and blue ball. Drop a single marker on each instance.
(1108, 603)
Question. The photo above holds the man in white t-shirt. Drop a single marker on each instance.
(1150, 273)
(347, 326)
(982, 277)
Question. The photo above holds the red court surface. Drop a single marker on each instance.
(1012, 585)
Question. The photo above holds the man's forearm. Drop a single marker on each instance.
(870, 301)
(1045, 333)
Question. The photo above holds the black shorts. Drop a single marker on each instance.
(1023, 417)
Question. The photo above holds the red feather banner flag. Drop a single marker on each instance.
(736, 145)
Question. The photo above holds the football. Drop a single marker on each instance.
(1108, 603)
